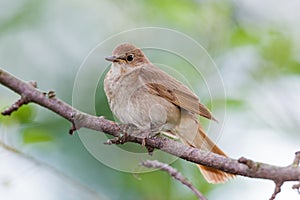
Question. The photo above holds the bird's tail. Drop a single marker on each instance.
(202, 141)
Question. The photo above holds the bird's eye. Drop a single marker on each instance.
(129, 57)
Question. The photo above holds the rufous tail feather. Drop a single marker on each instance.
(211, 175)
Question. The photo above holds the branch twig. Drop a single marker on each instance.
(278, 185)
(22, 101)
(296, 159)
(243, 166)
(174, 173)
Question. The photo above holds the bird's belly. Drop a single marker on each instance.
(144, 110)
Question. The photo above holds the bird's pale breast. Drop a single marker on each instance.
(131, 102)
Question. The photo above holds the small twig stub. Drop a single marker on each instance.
(14, 107)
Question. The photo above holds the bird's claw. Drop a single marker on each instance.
(121, 139)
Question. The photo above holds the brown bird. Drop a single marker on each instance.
(140, 93)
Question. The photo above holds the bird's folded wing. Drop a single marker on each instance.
(181, 99)
(172, 90)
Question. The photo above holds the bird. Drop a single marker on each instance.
(142, 94)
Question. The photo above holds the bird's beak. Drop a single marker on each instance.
(112, 58)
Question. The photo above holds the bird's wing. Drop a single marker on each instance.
(161, 84)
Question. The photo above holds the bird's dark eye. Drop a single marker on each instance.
(129, 57)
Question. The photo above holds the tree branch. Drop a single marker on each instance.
(174, 173)
(242, 166)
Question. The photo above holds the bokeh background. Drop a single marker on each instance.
(254, 44)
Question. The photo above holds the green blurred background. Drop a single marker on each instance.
(254, 44)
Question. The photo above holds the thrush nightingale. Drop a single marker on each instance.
(140, 93)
